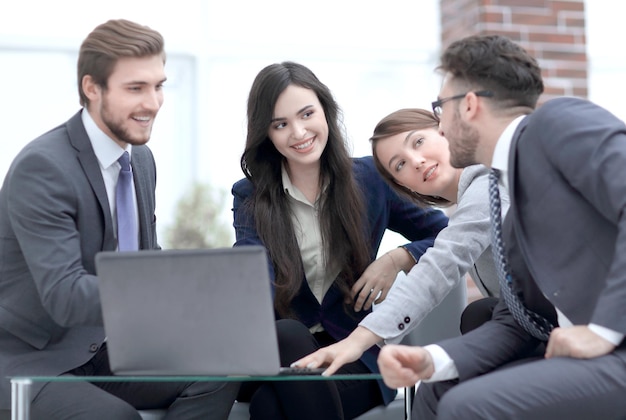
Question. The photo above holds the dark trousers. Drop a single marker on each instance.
(313, 400)
(121, 400)
(477, 313)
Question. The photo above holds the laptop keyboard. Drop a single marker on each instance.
(287, 371)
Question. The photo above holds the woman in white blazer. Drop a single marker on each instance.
(413, 157)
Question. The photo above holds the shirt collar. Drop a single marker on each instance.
(500, 158)
(291, 189)
(106, 150)
(501, 152)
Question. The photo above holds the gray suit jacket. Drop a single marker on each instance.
(565, 231)
(461, 247)
(54, 219)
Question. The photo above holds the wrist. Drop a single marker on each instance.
(401, 258)
(364, 338)
(393, 261)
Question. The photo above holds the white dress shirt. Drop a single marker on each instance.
(108, 152)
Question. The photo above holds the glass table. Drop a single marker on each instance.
(20, 386)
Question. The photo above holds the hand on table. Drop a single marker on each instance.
(336, 355)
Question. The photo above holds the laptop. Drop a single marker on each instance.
(204, 312)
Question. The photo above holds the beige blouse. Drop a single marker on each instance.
(307, 228)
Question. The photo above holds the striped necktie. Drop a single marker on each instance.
(534, 324)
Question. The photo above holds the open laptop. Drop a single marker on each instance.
(202, 312)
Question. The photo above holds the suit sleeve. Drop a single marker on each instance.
(419, 225)
(591, 156)
(43, 212)
(243, 220)
(493, 344)
(440, 269)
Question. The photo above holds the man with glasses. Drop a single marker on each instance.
(561, 250)
(437, 105)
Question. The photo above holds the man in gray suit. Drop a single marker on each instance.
(564, 237)
(57, 211)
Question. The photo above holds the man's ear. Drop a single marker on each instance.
(470, 106)
(90, 88)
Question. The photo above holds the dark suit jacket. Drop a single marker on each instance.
(565, 231)
(54, 218)
(385, 210)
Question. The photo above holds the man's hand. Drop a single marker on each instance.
(578, 342)
(403, 366)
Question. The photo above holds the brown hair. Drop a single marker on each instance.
(401, 121)
(109, 42)
(497, 64)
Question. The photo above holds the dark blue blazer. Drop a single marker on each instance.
(385, 210)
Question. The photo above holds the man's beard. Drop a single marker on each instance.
(463, 149)
(117, 127)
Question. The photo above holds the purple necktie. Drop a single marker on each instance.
(126, 218)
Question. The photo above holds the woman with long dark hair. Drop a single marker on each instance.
(321, 216)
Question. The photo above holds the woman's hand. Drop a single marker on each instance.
(336, 355)
(378, 277)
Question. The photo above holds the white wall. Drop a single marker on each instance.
(607, 57)
(375, 58)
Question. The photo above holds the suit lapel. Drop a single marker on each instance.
(88, 161)
(516, 239)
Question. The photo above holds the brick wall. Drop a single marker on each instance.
(553, 31)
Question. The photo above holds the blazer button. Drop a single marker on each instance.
(400, 326)
(94, 348)
(407, 319)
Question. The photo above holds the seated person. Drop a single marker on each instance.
(58, 210)
(321, 216)
(560, 250)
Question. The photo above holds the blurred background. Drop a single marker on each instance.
(376, 57)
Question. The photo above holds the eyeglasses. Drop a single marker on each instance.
(438, 110)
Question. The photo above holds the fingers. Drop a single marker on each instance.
(550, 352)
(367, 297)
(357, 288)
(393, 370)
(382, 296)
(361, 298)
(313, 360)
(318, 359)
(578, 341)
(333, 368)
